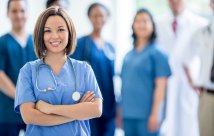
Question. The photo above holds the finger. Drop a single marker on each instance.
(85, 96)
(82, 99)
(88, 97)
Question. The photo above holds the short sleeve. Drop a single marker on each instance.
(91, 82)
(24, 88)
(79, 51)
(162, 68)
(2, 56)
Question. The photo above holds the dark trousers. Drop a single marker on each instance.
(11, 129)
(102, 126)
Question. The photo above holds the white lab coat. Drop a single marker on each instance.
(182, 101)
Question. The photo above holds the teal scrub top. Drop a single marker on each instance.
(139, 71)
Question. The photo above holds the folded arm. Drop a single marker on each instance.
(33, 116)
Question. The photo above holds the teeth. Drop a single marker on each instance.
(55, 43)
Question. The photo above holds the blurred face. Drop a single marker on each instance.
(176, 6)
(17, 13)
(56, 35)
(142, 26)
(98, 17)
(212, 5)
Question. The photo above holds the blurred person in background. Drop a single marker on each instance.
(100, 55)
(60, 3)
(144, 78)
(174, 34)
(16, 48)
(202, 48)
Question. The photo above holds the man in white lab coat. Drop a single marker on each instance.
(202, 49)
(174, 34)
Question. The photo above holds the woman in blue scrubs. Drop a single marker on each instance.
(100, 55)
(144, 77)
(57, 95)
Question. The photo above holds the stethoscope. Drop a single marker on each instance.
(75, 95)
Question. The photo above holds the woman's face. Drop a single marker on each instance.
(142, 26)
(17, 13)
(98, 17)
(56, 35)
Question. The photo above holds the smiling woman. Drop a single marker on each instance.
(71, 95)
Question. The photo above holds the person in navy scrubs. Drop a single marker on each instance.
(100, 54)
(144, 77)
(16, 48)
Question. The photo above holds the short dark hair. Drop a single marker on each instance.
(51, 2)
(39, 44)
(9, 1)
(96, 4)
(153, 36)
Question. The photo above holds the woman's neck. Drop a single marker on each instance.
(55, 59)
(141, 43)
(19, 32)
(96, 34)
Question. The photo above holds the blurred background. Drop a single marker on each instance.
(118, 28)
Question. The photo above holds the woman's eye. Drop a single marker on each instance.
(61, 30)
(46, 31)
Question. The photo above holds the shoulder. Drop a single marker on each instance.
(80, 65)
(156, 51)
(82, 39)
(30, 37)
(30, 65)
(4, 37)
(128, 55)
(195, 19)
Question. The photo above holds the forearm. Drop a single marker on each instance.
(187, 72)
(159, 95)
(36, 117)
(80, 111)
(6, 85)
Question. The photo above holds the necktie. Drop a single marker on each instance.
(212, 71)
(212, 74)
(174, 26)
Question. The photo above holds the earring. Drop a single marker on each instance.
(44, 53)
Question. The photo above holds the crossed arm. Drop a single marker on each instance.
(44, 114)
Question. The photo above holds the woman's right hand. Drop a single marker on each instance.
(88, 97)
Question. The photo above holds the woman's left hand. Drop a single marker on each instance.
(43, 107)
(153, 123)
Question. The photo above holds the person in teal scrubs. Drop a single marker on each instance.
(57, 95)
(100, 54)
(144, 77)
(16, 49)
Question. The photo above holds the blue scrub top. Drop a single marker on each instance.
(139, 71)
(12, 58)
(27, 92)
(102, 63)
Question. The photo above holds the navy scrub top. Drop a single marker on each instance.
(102, 63)
(12, 58)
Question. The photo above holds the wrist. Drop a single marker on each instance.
(51, 109)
